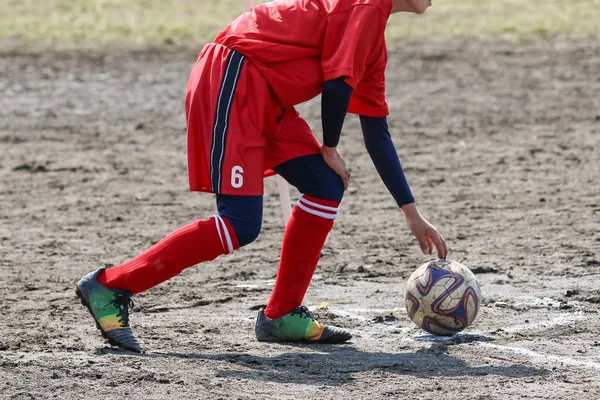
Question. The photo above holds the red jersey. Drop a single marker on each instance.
(298, 44)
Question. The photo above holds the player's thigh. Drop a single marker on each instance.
(312, 176)
(294, 153)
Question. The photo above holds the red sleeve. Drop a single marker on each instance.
(352, 42)
(368, 98)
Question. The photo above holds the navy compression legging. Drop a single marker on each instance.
(309, 174)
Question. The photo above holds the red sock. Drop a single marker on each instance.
(187, 246)
(303, 240)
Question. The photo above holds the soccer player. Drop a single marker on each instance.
(242, 125)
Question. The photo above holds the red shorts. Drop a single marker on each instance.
(236, 130)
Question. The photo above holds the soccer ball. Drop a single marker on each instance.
(442, 297)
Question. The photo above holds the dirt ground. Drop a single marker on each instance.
(499, 142)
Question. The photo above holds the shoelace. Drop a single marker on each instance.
(304, 313)
(123, 303)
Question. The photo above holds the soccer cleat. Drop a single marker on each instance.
(300, 325)
(110, 309)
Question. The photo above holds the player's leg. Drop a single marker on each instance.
(225, 156)
(237, 224)
(107, 292)
(305, 234)
(243, 214)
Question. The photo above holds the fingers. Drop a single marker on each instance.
(345, 175)
(440, 245)
(423, 244)
(445, 248)
(347, 180)
(337, 163)
(429, 245)
(427, 242)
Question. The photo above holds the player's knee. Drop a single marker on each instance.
(248, 232)
(246, 228)
(244, 214)
(327, 186)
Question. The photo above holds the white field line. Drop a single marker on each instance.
(264, 283)
(257, 284)
(541, 356)
(563, 319)
(534, 301)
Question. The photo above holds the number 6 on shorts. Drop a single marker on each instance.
(237, 180)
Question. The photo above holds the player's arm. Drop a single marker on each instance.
(380, 146)
(353, 41)
(334, 106)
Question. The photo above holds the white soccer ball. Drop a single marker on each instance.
(442, 297)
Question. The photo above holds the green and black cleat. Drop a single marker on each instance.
(300, 325)
(110, 309)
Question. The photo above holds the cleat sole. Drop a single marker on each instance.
(266, 337)
(266, 331)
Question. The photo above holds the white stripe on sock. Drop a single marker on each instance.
(227, 236)
(317, 213)
(317, 205)
(219, 232)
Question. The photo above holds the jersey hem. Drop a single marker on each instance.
(366, 111)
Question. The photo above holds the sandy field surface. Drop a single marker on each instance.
(499, 141)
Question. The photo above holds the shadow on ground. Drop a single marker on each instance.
(336, 365)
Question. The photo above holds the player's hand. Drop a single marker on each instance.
(425, 233)
(336, 163)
